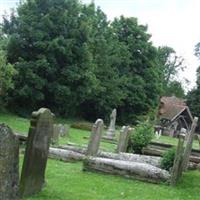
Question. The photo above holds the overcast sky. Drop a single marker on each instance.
(171, 22)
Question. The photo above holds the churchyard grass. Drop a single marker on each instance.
(173, 141)
(21, 125)
(66, 181)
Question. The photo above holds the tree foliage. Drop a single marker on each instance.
(6, 75)
(171, 65)
(141, 137)
(7, 71)
(193, 96)
(70, 58)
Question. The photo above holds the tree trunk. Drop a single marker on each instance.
(134, 170)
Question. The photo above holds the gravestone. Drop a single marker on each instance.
(176, 171)
(9, 161)
(36, 153)
(188, 146)
(56, 133)
(64, 130)
(95, 138)
(59, 130)
(123, 139)
(110, 134)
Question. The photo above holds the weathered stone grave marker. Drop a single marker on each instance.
(59, 130)
(123, 139)
(188, 147)
(9, 161)
(64, 131)
(110, 134)
(36, 153)
(95, 138)
(177, 166)
(56, 133)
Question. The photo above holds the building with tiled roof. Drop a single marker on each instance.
(174, 114)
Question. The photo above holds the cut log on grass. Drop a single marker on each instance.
(78, 155)
(65, 155)
(78, 149)
(133, 170)
(152, 151)
(156, 152)
(152, 160)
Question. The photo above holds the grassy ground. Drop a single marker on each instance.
(66, 181)
(174, 141)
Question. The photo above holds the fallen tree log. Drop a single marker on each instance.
(134, 170)
(152, 151)
(150, 158)
(73, 156)
(65, 155)
(79, 149)
(158, 152)
(153, 160)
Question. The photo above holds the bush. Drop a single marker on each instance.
(141, 137)
(168, 159)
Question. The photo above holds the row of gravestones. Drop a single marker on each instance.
(35, 158)
(33, 170)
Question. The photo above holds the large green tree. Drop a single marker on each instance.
(142, 84)
(171, 65)
(7, 71)
(70, 58)
(48, 46)
(193, 96)
(107, 54)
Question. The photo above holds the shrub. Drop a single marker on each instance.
(141, 137)
(168, 159)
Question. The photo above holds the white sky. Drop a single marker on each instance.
(171, 22)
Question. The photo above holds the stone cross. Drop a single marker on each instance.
(123, 139)
(111, 129)
(9, 161)
(95, 138)
(36, 153)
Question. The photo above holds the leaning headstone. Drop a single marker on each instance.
(95, 138)
(9, 161)
(110, 134)
(36, 153)
(188, 147)
(123, 139)
(177, 165)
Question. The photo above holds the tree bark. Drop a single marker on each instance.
(134, 170)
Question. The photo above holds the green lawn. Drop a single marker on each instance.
(174, 141)
(67, 181)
